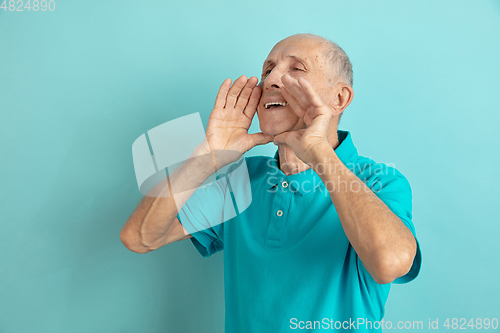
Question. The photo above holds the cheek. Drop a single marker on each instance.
(325, 92)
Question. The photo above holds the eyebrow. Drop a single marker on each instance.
(288, 56)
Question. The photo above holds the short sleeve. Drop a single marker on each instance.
(204, 213)
(211, 206)
(394, 190)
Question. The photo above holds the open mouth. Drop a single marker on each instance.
(275, 105)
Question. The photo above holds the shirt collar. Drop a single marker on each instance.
(306, 181)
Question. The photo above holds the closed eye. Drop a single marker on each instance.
(266, 73)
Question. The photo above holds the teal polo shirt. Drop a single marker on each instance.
(288, 264)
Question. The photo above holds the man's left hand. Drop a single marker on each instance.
(316, 115)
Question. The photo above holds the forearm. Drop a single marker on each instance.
(150, 223)
(153, 223)
(382, 241)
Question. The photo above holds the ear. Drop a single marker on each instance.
(342, 97)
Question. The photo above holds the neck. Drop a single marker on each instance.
(289, 162)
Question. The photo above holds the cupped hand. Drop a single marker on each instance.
(316, 114)
(228, 124)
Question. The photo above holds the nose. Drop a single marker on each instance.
(273, 80)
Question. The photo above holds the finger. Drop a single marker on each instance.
(290, 99)
(284, 138)
(253, 102)
(235, 91)
(310, 93)
(296, 90)
(245, 93)
(220, 100)
(280, 138)
(291, 139)
(260, 139)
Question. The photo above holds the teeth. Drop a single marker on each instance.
(268, 105)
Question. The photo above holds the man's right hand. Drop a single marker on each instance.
(228, 124)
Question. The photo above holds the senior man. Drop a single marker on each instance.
(327, 231)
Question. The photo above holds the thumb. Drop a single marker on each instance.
(282, 138)
(257, 139)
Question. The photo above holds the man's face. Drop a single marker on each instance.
(297, 56)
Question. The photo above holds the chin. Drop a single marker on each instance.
(274, 124)
(275, 128)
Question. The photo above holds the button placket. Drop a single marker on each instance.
(280, 207)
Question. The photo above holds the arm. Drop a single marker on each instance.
(381, 240)
(154, 222)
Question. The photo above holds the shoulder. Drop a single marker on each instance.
(377, 175)
(390, 186)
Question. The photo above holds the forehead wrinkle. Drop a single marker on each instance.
(297, 58)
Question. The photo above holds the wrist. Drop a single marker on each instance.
(201, 149)
(220, 158)
(324, 160)
(204, 157)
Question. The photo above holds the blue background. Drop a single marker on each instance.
(78, 85)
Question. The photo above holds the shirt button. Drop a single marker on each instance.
(284, 184)
(279, 212)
